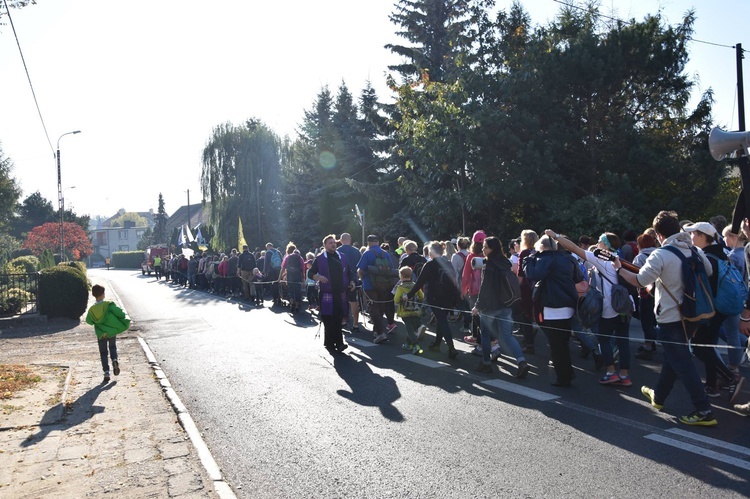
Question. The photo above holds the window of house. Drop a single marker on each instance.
(122, 234)
(124, 247)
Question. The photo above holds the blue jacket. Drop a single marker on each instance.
(556, 270)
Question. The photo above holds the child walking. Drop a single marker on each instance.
(108, 320)
(408, 311)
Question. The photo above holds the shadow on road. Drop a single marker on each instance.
(368, 388)
(83, 409)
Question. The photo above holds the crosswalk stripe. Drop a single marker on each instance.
(521, 390)
(711, 441)
(717, 456)
(422, 361)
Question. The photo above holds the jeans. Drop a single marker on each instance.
(709, 335)
(678, 363)
(443, 327)
(587, 340)
(499, 323)
(732, 337)
(157, 271)
(103, 344)
(558, 335)
(619, 327)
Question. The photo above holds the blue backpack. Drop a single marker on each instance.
(697, 306)
(730, 288)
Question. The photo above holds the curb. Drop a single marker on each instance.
(64, 396)
(204, 454)
(222, 488)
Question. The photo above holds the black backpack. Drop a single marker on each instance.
(447, 289)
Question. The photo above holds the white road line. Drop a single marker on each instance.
(711, 441)
(717, 456)
(356, 342)
(521, 390)
(422, 361)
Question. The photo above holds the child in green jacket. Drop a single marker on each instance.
(409, 311)
(108, 320)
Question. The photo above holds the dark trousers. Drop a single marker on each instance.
(104, 344)
(333, 337)
(648, 318)
(678, 363)
(157, 271)
(382, 304)
(618, 327)
(558, 336)
(443, 327)
(709, 335)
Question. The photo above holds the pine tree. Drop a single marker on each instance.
(160, 225)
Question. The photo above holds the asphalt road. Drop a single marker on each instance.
(286, 419)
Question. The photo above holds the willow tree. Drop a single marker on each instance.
(241, 180)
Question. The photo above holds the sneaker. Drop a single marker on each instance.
(699, 418)
(477, 351)
(609, 379)
(391, 328)
(624, 380)
(650, 395)
(743, 409)
(354, 329)
(735, 387)
(340, 348)
(116, 367)
(470, 339)
(417, 350)
(381, 338)
(106, 377)
(712, 392)
(483, 368)
(523, 369)
(420, 332)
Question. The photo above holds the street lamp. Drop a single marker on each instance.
(60, 202)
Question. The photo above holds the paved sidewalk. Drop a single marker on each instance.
(119, 440)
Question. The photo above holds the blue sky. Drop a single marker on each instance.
(146, 82)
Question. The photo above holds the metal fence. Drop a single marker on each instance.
(18, 294)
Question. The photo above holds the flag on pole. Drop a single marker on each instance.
(240, 236)
(189, 234)
(181, 239)
(199, 236)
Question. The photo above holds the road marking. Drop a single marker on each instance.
(710, 441)
(422, 361)
(356, 342)
(717, 456)
(521, 390)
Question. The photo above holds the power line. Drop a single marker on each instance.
(578, 7)
(28, 77)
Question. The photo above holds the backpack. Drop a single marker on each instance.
(461, 271)
(382, 274)
(697, 306)
(619, 296)
(275, 259)
(589, 307)
(294, 266)
(730, 288)
(447, 289)
(510, 289)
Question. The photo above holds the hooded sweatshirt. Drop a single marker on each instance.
(665, 269)
(108, 319)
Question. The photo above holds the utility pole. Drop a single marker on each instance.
(742, 208)
(60, 200)
(188, 221)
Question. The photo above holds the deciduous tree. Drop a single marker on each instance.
(47, 237)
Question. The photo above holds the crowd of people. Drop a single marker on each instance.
(497, 293)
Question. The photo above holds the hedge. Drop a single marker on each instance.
(29, 263)
(79, 266)
(127, 259)
(13, 301)
(63, 292)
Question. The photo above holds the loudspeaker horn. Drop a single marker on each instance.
(723, 144)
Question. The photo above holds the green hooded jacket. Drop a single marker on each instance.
(108, 319)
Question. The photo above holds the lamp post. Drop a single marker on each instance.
(60, 202)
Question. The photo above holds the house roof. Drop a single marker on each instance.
(198, 215)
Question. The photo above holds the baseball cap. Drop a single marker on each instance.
(704, 227)
(479, 236)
